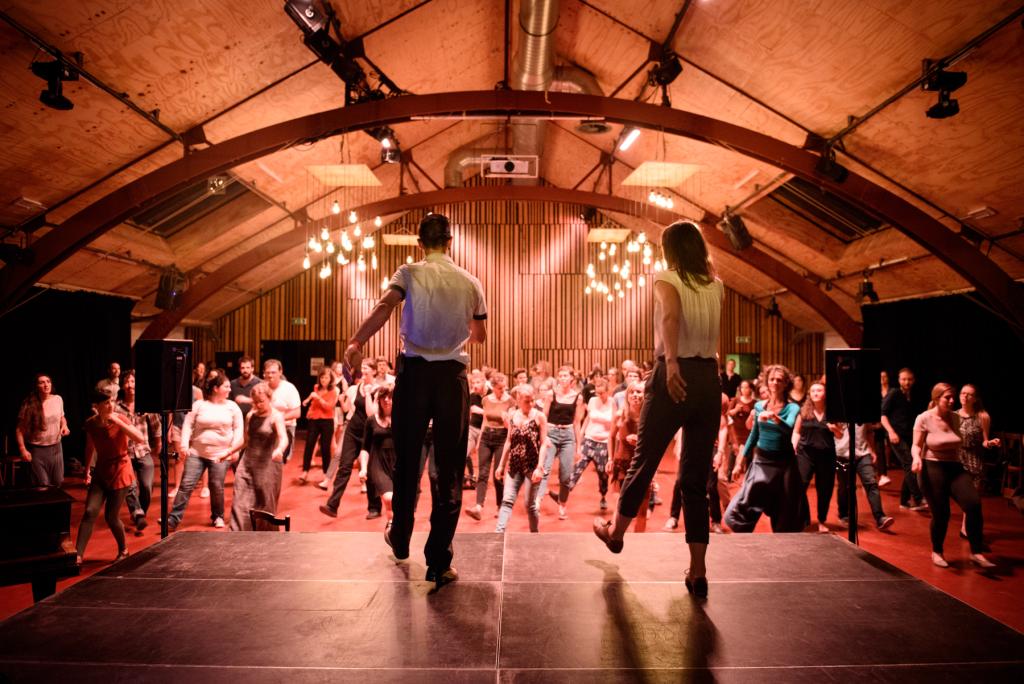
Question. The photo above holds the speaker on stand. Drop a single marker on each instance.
(852, 397)
(163, 384)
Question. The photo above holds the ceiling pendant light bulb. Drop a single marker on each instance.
(601, 256)
(384, 284)
(311, 243)
(641, 281)
(352, 218)
(368, 242)
(357, 231)
(641, 238)
(373, 261)
(317, 247)
(341, 259)
(587, 290)
(361, 264)
(325, 234)
(618, 286)
(610, 298)
(305, 262)
(615, 268)
(377, 222)
(652, 197)
(612, 249)
(335, 208)
(622, 294)
(330, 248)
(657, 266)
(629, 284)
(408, 259)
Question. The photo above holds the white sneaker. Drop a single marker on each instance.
(218, 523)
(671, 524)
(884, 480)
(562, 515)
(205, 494)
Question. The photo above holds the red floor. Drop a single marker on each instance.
(999, 593)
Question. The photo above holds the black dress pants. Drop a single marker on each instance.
(660, 417)
(425, 391)
(351, 443)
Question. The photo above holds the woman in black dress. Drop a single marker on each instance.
(379, 450)
(815, 446)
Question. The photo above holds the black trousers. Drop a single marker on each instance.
(910, 491)
(351, 443)
(941, 480)
(660, 417)
(822, 465)
(425, 391)
(322, 429)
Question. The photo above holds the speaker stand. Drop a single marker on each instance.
(166, 418)
(851, 484)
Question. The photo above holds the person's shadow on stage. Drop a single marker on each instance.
(630, 640)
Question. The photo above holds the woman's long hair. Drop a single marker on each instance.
(687, 254)
(787, 376)
(807, 407)
(31, 411)
(937, 392)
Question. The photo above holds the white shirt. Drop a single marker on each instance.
(843, 443)
(699, 320)
(440, 300)
(212, 429)
(284, 399)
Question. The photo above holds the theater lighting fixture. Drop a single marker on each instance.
(866, 290)
(667, 71)
(336, 208)
(736, 230)
(215, 185)
(55, 73)
(943, 82)
(773, 309)
(630, 136)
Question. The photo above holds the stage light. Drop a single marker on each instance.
(55, 73)
(736, 230)
(867, 291)
(335, 208)
(667, 71)
(632, 133)
(773, 309)
(305, 262)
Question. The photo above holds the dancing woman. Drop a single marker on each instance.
(682, 392)
(565, 414)
(379, 450)
(520, 461)
(320, 421)
(936, 457)
(598, 438)
(41, 425)
(361, 407)
(814, 441)
(772, 486)
(495, 406)
(975, 423)
(258, 478)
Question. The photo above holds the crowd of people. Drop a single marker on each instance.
(475, 429)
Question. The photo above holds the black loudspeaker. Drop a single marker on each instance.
(853, 392)
(736, 230)
(172, 285)
(163, 375)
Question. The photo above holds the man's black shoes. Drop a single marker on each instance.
(442, 577)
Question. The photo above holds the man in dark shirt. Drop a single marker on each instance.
(730, 379)
(243, 384)
(899, 410)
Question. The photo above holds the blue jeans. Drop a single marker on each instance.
(512, 485)
(562, 442)
(194, 468)
(139, 494)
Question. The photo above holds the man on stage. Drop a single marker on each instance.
(443, 310)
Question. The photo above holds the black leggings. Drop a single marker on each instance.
(941, 480)
(322, 429)
(822, 465)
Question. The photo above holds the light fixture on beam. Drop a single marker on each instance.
(628, 138)
(866, 290)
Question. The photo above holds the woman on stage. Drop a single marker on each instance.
(682, 392)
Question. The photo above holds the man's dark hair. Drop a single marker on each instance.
(435, 231)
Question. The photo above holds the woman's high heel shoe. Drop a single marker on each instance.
(697, 586)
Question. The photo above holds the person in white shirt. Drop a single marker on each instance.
(212, 432)
(682, 392)
(285, 399)
(443, 309)
(41, 425)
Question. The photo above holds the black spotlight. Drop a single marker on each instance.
(668, 70)
(773, 309)
(736, 230)
(867, 291)
(589, 215)
(944, 82)
(55, 73)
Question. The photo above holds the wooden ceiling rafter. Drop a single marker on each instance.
(80, 229)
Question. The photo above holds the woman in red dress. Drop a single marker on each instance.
(106, 439)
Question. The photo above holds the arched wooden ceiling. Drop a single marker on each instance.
(779, 67)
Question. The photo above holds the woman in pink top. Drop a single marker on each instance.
(41, 425)
(936, 458)
(106, 437)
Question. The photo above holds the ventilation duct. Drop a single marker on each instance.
(533, 68)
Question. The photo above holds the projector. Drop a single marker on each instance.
(512, 166)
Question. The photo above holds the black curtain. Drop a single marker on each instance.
(952, 339)
(70, 336)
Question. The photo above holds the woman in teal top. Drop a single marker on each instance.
(772, 486)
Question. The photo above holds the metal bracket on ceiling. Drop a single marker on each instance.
(193, 138)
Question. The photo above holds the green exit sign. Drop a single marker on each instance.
(299, 320)
(743, 339)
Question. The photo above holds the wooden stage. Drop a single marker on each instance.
(330, 607)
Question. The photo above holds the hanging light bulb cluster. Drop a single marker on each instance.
(350, 246)
(660, 199)
(613, 274)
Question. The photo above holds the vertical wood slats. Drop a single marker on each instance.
(530, 258)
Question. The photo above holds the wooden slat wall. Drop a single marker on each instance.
(530, 258)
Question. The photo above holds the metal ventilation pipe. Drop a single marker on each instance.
(467, 156)
(533, 68)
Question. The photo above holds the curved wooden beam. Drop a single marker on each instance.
(85, 226)
(832, 313)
